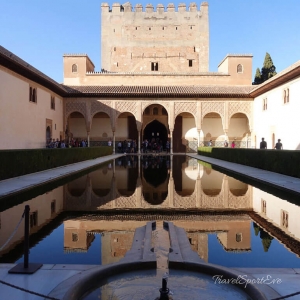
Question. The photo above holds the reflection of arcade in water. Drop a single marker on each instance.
(120, 196)
(149, 182)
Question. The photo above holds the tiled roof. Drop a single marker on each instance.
(161, 91)
(16, 64)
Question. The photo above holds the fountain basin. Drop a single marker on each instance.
(140, 280)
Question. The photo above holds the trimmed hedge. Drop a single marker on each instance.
(285, 162)
(24, 161)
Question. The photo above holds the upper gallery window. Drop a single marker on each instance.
(286, 96)
(53, 102)
(32, 95)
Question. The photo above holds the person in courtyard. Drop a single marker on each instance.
(109, 143)
(210, 143)
(225, 144)
(278, 145)
(263, 144)
(233, 144)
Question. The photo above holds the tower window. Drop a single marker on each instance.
(74, 68)
(176, 28)
(154, 66)
(115, 48)
(190, 62)
(239, 68)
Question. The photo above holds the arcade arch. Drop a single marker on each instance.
(101, 127)
(126, 127)
(76, 124)
(212, 129)
(239, 129)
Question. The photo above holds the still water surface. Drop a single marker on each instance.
(92, 219)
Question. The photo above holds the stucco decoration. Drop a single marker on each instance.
(240, 107)
(126, 202)
(210, 107)
(186, 202)
(126, 106)
(212, 201)
(145, 104)
(75, 106)
(101, 202)
(190, 107)
(240, 201)
(103, 106)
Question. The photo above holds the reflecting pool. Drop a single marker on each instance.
(92, 219)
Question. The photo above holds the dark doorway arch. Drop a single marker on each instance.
(156, 130)
(48, 134)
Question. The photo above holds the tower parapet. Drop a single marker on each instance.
(166, 39)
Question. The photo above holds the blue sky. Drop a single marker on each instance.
(40, 31)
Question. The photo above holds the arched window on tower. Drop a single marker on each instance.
(239, 68)
(74, 68)
(155, 111)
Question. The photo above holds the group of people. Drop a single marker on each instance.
(127, 146)
(263, 144)
(52, 143)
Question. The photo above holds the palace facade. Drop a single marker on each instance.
(154, 84)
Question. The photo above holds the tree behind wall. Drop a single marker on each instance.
(267, 71)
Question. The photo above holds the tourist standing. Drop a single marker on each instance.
(263, 144)
(278, 145)
(225, 144)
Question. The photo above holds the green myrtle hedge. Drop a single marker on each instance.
(20, 162)
(285, 162)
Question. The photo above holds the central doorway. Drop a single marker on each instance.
(156, 131)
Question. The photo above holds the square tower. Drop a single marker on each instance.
(155, 41)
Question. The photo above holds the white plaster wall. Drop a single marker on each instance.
(279, 118)
(23, 123)
(273, 211)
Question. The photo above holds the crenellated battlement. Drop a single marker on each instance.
(117, 8)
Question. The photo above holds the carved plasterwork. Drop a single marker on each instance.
(240, 107)
(181, 107)
(185, 202)
(101, 202)
(126, 202)
(126, 106)
(212, 202)
(73, 106)
(166, 105)
(209, 107)
(101, 106)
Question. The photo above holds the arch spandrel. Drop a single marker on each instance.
(101, 106)
(166, 105)
(78, 106)
(213, 107)
(126, 106)
(185, 107)
(186, 202)
(240, 107)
